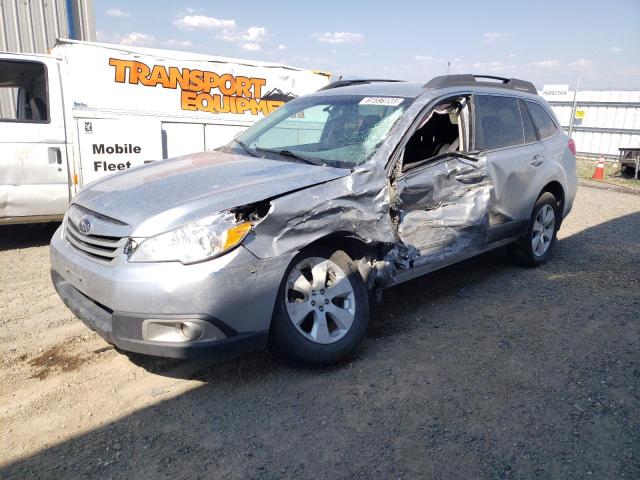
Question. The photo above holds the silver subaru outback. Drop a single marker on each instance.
(280, 238)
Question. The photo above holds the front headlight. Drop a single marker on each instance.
(194, 242)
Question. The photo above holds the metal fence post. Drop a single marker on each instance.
(575, 106)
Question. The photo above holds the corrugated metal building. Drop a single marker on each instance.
(32, 26)
(604, 120)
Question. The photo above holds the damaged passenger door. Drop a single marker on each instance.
(440, 189)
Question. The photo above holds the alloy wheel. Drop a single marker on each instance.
(320, 300)
(543, 230)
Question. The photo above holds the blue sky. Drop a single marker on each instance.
(543, 41)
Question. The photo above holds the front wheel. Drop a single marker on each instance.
(322, 309)
(536, 247)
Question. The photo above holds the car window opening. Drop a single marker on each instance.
(25, 85)
(440, 132)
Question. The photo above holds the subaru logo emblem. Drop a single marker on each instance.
(84, 225)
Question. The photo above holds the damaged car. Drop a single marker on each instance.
(280, 239)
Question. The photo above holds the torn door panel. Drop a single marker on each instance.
(440, 215)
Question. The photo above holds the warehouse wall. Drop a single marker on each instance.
(605, 120)
(32, 26)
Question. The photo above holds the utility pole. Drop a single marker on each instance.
(448, 68)
(575, 105)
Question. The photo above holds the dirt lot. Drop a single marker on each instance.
(482, 370)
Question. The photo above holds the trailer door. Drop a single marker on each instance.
(34, 173)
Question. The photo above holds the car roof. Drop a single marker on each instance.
(446, 83)
(378, 88)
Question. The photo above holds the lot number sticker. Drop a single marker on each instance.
(384, 101)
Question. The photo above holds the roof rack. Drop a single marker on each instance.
(356, 81)
(471, 80)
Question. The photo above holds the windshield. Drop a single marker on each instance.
(340, 130)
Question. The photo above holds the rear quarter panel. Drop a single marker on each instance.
(562, 168)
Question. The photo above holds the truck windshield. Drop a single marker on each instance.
(340, 130)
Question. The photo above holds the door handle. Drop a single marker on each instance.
(55, 155)
(537, 160)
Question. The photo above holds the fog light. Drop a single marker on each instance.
(191, 331)
(180, 331)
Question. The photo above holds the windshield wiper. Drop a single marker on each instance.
(245, 147)
(295, 156)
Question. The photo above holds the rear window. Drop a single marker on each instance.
(498, 122)
(545, 125)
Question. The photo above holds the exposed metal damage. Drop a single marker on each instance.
(425, 216)
(452, 217)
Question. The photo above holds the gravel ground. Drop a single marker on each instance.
(481, 370)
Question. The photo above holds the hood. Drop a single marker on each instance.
(169, 193)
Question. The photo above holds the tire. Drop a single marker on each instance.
(537, 245)
(304, 307)
(627, 171)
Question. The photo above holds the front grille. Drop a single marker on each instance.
(100, 247)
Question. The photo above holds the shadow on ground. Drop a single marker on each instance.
(27, 235)
(483, 369)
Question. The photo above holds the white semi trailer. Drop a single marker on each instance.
(88, 109)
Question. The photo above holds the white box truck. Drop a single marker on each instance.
(90, 109)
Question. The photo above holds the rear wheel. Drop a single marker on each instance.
(322, 309)
(536, 247)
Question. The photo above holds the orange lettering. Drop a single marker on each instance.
(176, 77)
(195, 81)
(189, 101)
(210, 81)
(159, 76)
(274, 104)
(219, 106)
(225, 89)
(262, 106)
(258, 83)
(243, 87)
(139, 74)
(242, 104)
(121, 68)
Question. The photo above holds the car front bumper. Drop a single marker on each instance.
(230, 299)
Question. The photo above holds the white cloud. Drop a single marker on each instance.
(255, 34)
(101, 36)
(173, 43)
(139, 39)
(616, 50)
(338, 37)
(116, 12)
(582, 63)
(495, 37)
(423, 58)
(512, 55)
(281, 47)
(546, 63)
(250, 39)
(251, 47)
(193, 22)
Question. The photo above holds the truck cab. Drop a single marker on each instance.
(88, 110)
(35, 183)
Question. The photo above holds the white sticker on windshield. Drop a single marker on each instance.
(384, 101)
